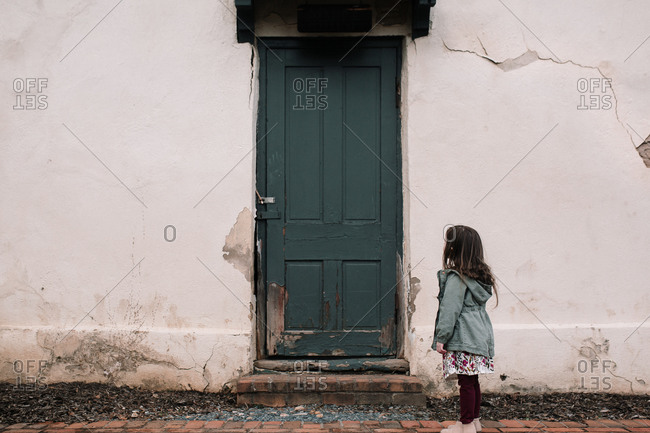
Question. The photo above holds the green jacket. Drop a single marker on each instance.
(462, 324)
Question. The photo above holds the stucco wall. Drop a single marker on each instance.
(146, 118)
(559, 194)
(150, 122)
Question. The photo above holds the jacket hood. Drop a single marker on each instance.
(481, 292)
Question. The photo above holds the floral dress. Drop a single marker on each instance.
(455, 362)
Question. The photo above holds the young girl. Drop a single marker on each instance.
(463, 332)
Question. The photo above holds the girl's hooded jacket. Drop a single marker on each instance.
(462, 323)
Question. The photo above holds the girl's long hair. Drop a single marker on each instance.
(464, 254)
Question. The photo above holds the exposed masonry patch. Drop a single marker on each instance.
(644, 151)
(518, 62)
(415, 288)
(596, 349)
(531, 56)
(120, 355)
(95, 354)
(237, 249)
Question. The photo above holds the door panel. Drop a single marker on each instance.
(304, 150)
(361, 168)
(360, 282)
(304, 305)
(329, 156)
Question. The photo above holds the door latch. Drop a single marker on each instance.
(267, 200)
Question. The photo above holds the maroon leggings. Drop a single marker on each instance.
(470, 397)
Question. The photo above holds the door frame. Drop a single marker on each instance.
(264, 46)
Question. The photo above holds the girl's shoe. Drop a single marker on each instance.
(477, 424)
(459, 427)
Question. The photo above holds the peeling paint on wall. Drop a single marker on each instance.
(596, 367)
(238, 251)
(101, 354)
(415, 288)
(594, 347)
(95, 354)
(129, 357)
(644, 151)
(387, 332)
(277, 299)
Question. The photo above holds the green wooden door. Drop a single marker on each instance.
(329, 156)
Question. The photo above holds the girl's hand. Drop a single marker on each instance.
(440, 348)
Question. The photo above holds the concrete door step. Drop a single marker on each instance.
(338, 365)
(292, 389)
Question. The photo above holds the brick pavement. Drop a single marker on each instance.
(182, 426)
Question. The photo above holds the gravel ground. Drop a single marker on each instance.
(73, 402)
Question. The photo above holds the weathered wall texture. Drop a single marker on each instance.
(127, 224)
(120, 198)
(498, 138)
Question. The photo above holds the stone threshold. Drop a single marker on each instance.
(290, 389)
(217, 426)
(339, 365)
